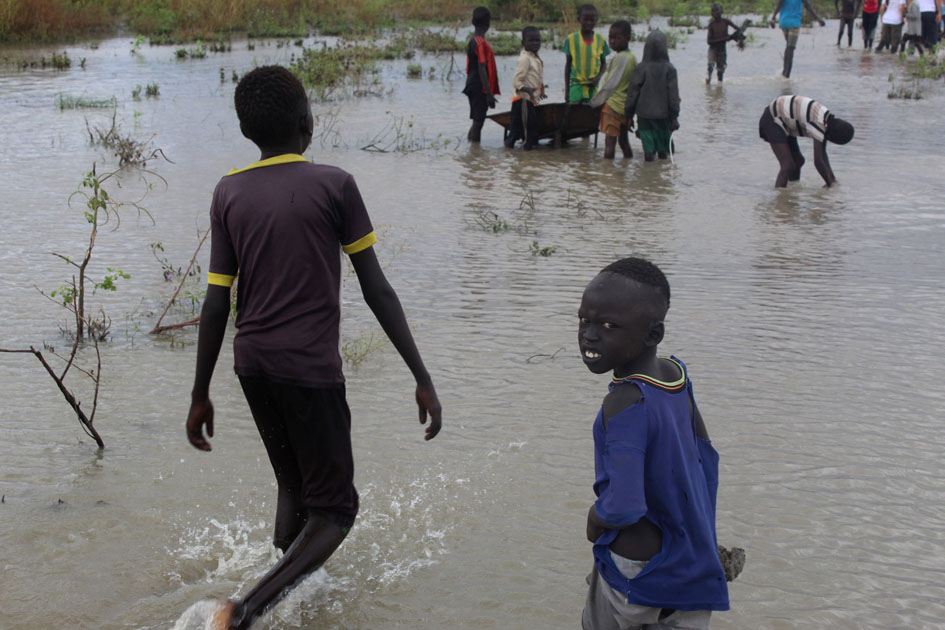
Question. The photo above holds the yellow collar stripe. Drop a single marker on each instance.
(285, 158)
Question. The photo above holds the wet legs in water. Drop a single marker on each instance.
(316, 538)
(790, 159)
(475, 131)
(848, 23)
(720, 72)
(788, 61)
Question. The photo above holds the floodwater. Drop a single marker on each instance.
(811, 320)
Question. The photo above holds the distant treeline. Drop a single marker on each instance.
(188, 20)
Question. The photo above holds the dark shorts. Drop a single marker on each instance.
(307, 434)
(478, 105)
(769, 130)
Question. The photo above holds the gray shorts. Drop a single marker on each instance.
(608, 609)
(790, 36)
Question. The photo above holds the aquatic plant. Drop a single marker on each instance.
(400, 135)
(67, 101)
(188, 294)
(537, 250)
(414, 70)
(355, 351)
(128, 149)
(326, 69)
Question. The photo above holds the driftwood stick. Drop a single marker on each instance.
(190, 322)
(70, 398)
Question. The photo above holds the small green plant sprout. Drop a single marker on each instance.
(137, 43)
(60, 61)
(414, 70)
(136, 93)
(152, 90)
(536, 250)
(399, 135)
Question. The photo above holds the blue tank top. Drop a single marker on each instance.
(791, 13)
(649, 462)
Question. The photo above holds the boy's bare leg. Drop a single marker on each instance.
(610, 147)
(788, 61)
(783, 153)
(312, 547)
(624, 141)
(475, 131)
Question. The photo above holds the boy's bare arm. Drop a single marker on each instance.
(567, 77)
(822, 163)
(776, 12)
(385, 305)
(213, 318)
(812, 12)
(484, 79)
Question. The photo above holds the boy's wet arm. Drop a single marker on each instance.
(384, 303)
(213, 318)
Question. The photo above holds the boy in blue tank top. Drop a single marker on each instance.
(656, 562)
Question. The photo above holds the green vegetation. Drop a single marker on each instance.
(414, 70)
(67, 101)
(183, 21)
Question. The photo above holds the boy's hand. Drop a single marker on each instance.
(201, 413)
(822, 23)
(674, 124)
(492, 101)
(594, 530)
(428, 403)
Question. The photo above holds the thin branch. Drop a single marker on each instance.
(160, 329)
(193, 260)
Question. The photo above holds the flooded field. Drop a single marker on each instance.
(784, 303)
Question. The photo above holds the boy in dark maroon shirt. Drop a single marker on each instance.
(282, 224)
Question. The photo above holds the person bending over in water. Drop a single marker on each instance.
(282, 223)
(790, 116)
(656, 557)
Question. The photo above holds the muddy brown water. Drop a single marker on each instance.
(811, 320)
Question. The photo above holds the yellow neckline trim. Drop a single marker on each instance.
(285, 158)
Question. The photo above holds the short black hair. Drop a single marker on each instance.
(586, 7)
(268, 101)
(481, 16)
(839, 131)
(642, 271)
(529, 29)
(624, 27)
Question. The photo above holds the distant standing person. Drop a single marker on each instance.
(870, 19)
(913, 35)
(482, 80)
(846, 11)
(584, 63)
(716, 37)
(889, 37)
(931, 16)
(788, 117)
(653, 97)
(612, 95)
(529, 86)
(790, 19)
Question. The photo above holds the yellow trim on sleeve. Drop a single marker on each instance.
(285, 158)
(220, 279)
(361, 244)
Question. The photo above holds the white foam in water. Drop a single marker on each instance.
(198, 616)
